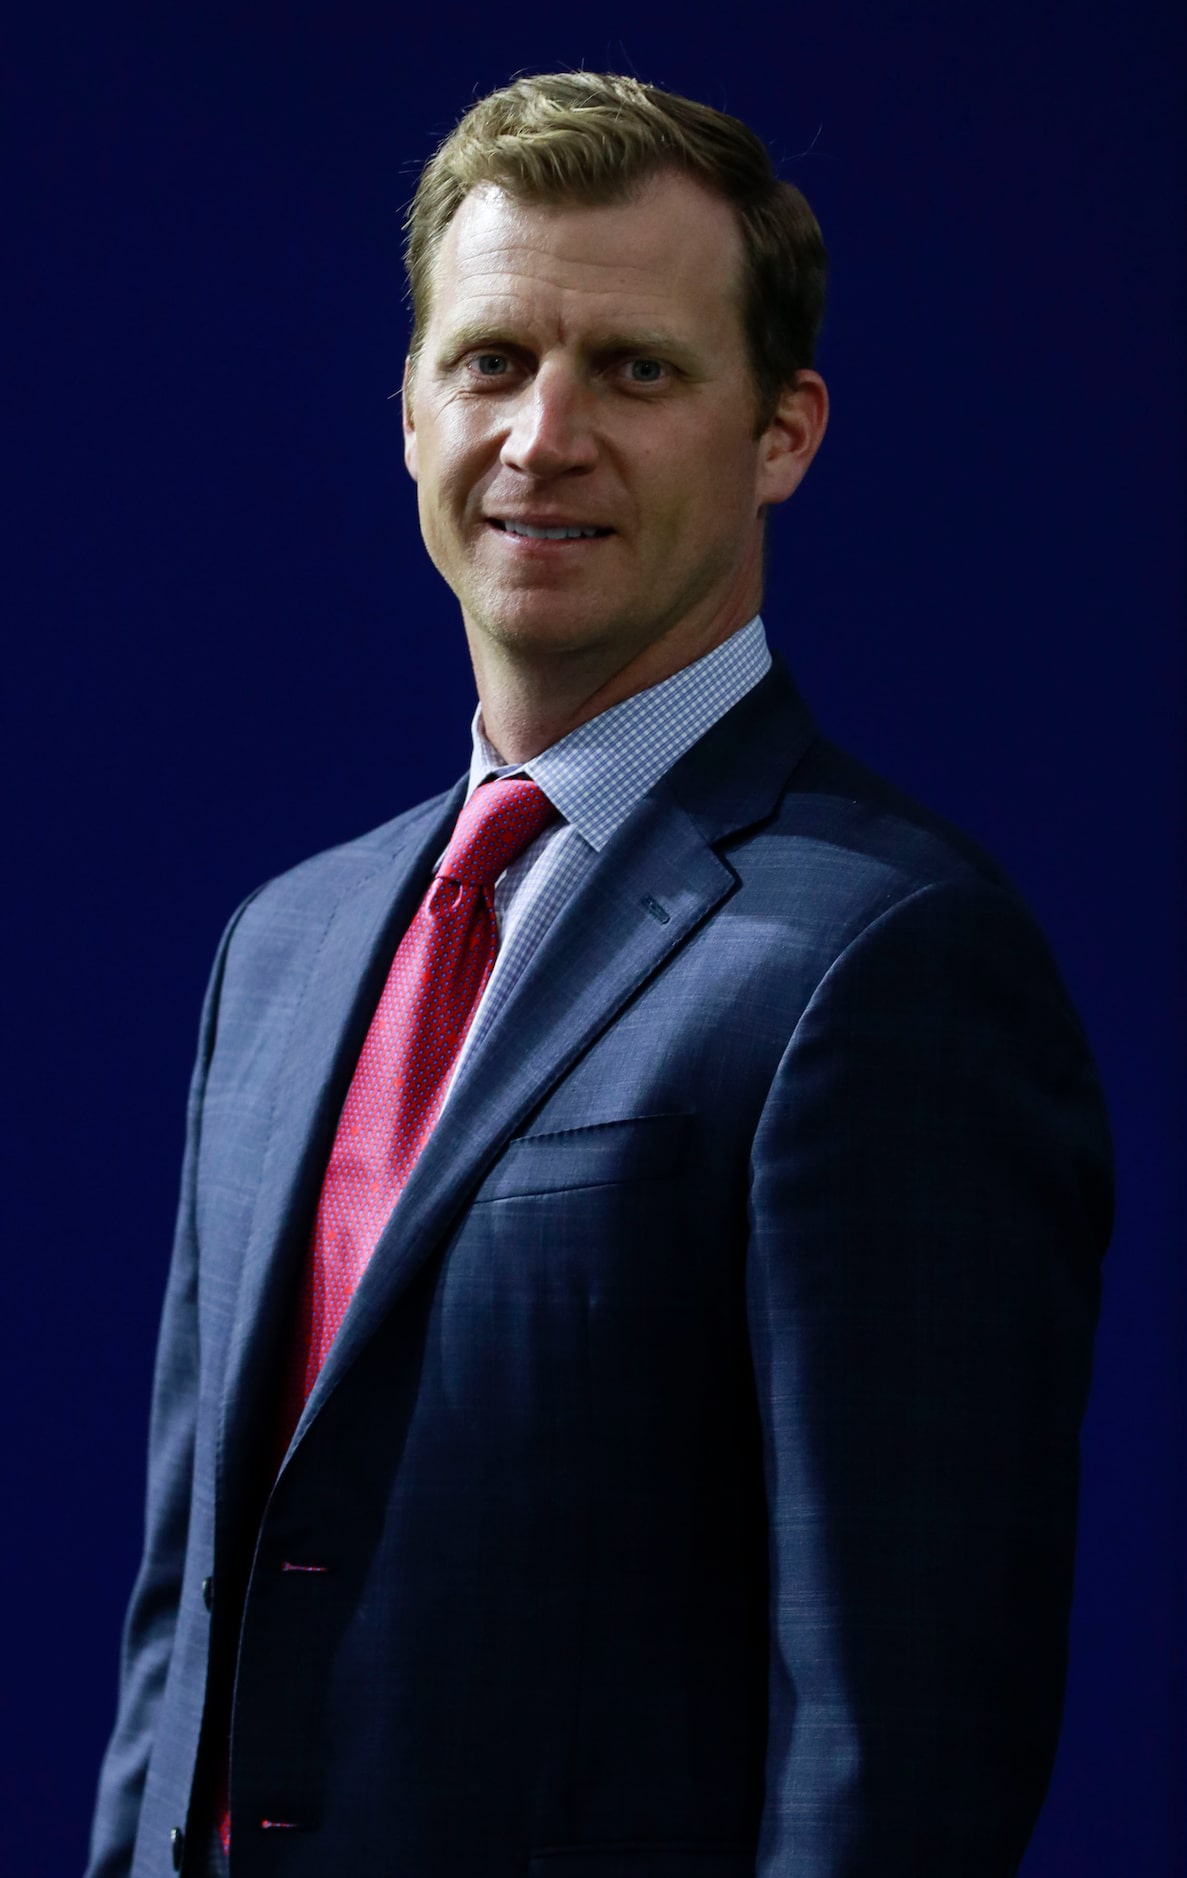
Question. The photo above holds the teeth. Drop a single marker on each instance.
(550, 534)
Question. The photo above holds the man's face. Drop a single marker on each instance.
(585, 369)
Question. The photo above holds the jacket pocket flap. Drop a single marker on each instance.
(641, 1147)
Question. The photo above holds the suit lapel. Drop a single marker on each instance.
(610, 939)
(326, 1035)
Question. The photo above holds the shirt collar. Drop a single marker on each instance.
(597, 774)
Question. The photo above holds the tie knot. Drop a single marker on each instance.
(499, 821)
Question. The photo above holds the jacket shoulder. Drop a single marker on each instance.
(881, 828)
(785, 804)
(845, 851)
(319, 882)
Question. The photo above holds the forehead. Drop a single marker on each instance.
(674, 252)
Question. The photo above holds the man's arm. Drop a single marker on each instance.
(152, 1611)
(931, 1196)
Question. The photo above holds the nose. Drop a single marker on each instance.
(551, 430)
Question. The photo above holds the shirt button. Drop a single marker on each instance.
(208, 1592)
(177, 1841)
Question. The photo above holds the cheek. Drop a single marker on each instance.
(702, 466)
(439, 508)
(449, 439)
(725, 485)
(702, 492)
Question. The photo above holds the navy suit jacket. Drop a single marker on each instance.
(692, 1484)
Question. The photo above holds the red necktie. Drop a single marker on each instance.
(432, 992)
(433, 989)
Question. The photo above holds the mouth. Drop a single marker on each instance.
(558, 531)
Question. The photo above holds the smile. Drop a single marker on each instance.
(526, 531)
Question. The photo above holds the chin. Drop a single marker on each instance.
(541, 627)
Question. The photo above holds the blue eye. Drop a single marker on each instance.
(489, 364)
(646, 371)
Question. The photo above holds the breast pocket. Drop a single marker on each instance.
(635, 1148)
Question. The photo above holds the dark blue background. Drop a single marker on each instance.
(228, 649)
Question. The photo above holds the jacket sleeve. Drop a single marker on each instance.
(931, 1197)
(152, 1611)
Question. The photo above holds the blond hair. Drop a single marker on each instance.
(597, 137)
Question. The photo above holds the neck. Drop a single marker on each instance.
(531, 702)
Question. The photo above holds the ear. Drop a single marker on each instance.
(409, 425)
(792, 438)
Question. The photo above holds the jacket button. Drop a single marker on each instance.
(208, 1592)
(177, 1841)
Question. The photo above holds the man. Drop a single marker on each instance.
(618, 1393)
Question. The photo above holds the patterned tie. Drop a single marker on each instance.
(436, 980)
(432, 992)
